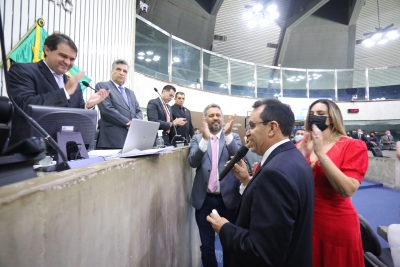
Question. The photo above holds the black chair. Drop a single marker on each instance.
(374, 255)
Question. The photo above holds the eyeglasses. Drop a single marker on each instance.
(251, 125)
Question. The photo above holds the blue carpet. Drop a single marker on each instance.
(369, 184)
(379, 206)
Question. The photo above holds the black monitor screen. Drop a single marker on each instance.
(53, 119)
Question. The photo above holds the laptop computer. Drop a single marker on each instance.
(141, 135)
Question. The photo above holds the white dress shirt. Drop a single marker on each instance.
(52, 72)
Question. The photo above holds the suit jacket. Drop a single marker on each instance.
(274, 219)
(114, 117)
(385, 140)
(187, 130)
(363, 138)
(34, 84)
(202, 162)
(156, 112)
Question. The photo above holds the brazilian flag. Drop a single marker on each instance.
(30, 49)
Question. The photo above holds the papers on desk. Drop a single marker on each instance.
(116, 153)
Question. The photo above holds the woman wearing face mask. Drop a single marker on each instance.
(339, 164)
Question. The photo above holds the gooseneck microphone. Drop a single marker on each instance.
(242, 151)
(85, 83)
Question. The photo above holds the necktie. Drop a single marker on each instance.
(388, 137)
(59, 79)
(183, 110)
(359, 136)
(258, 167)
(166, 114)
(122, 90)
(212, 183)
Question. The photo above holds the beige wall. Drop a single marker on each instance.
(127, 212)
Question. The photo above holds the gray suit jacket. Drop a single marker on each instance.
(202, 162)
(387, 142)
(114, 117)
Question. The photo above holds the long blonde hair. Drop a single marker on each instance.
(335, 116)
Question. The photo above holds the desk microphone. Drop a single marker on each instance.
(242, 151)
(85, 83)
(169, 114)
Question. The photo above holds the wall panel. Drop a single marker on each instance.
(102, 30)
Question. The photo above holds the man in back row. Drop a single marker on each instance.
(179, 111)
(116, 115)
(46, 83)
(158, 110)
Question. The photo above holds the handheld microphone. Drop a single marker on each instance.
(85, 83)
(242, 151)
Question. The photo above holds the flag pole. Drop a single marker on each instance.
(39, 22)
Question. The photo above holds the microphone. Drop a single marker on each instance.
(169, 114)
(85, 83)
(242, 151)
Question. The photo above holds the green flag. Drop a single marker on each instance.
(31, 50)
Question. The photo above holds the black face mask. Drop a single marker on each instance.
(319, 121)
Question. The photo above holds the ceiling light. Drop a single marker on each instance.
(392, 34)
(141, 53)
(368, 42)
(257, 7)
(382, 41)
(271, 8)
(271, 81)
(274, 15)
(148, 59)
(149, 53)
(140, 57)
(300, 77)
(276, 79)
(297, 80)
(248, 15)
(263, 22)
(377, 36)
(156, 58)
(176, 59)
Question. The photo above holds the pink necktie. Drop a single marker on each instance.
(212, 183)
(60, 80)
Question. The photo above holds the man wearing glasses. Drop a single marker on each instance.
(273, 223)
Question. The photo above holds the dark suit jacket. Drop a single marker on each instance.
(387, 142)
(156, 112)
(274, 219)
(202, 162)
(34, 84)
(114, 117)
(363, 138)
(187, 130)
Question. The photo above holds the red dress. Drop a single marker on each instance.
(336, 227)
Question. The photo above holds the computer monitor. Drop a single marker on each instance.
(66, 125)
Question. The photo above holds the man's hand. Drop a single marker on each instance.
(205, 130)
(128, 124)
(97, 98)
(216, 221)
(303, 145)
(240, 171)
(73, 81)
(229, 124)
(179, 121)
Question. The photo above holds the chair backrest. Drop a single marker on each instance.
(370, 240)
(370, 260)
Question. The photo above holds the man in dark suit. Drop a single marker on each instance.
(273, 225)
(46, 83)
(359, 135)
(179, 111)
(116, 115)
(209, 152)
(158, 110)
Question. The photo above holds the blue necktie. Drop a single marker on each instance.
(122, 90)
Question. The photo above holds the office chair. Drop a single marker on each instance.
(374, 255)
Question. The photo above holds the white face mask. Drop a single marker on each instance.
(360, 132)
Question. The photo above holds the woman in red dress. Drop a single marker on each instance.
(339, 164)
